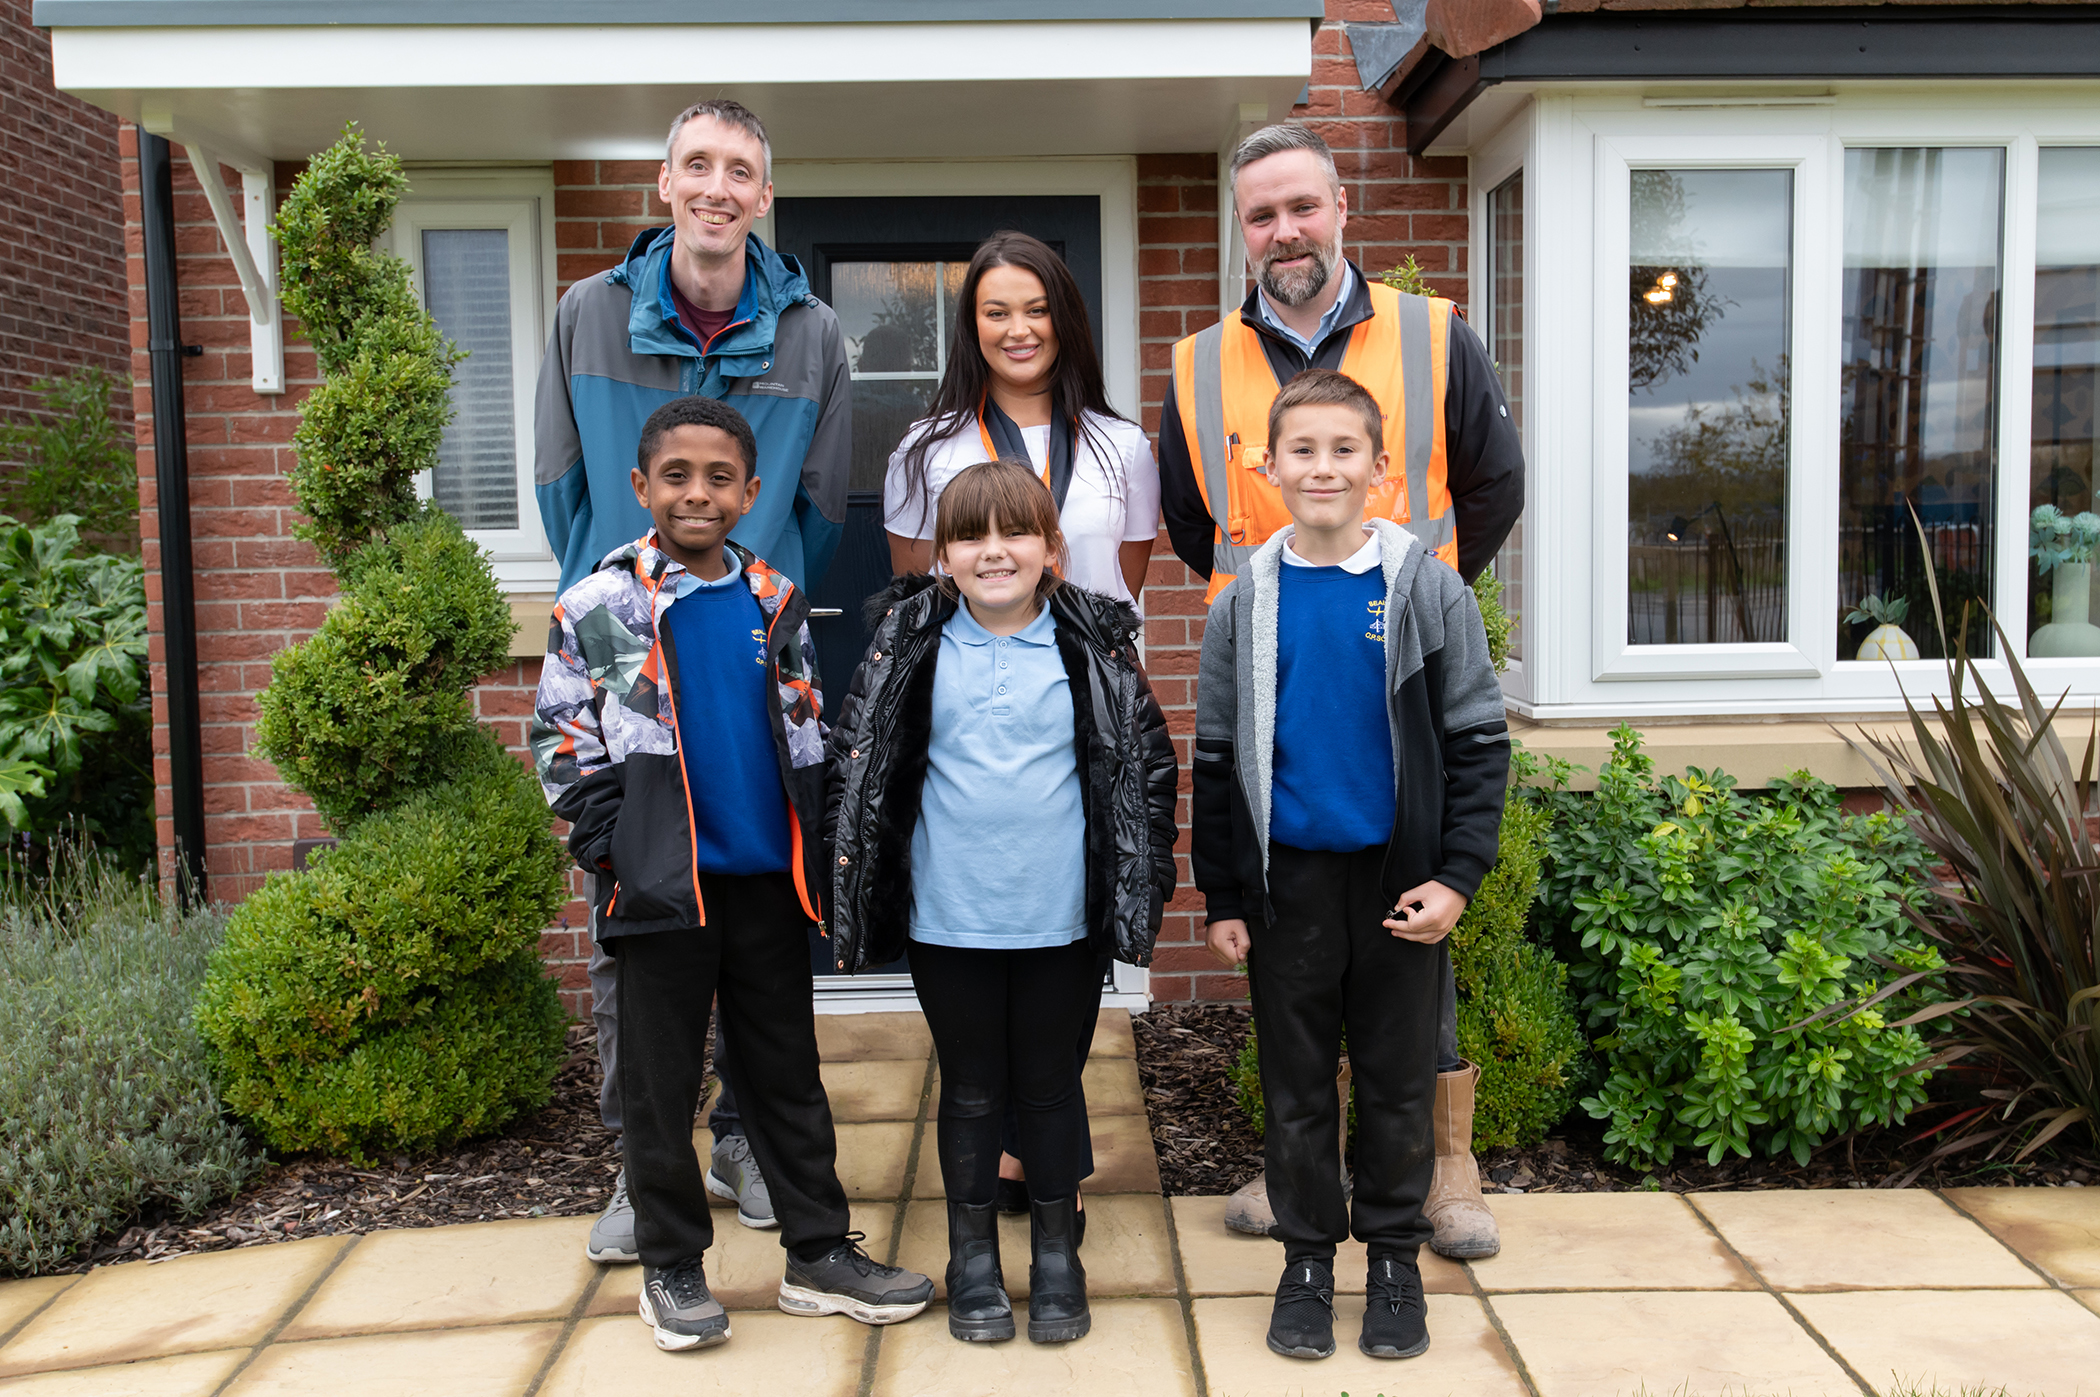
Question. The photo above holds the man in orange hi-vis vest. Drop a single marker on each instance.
(1457, 481)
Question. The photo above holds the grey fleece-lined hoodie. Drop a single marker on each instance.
(1450, 736)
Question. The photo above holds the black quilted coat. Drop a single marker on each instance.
(881, 734)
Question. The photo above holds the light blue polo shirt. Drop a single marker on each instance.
(999, 857)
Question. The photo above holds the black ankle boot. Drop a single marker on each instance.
(978, 1310)
(1057, 1311)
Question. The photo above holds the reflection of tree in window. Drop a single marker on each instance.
(1670, 304)
(1919, 410)
(887, 348)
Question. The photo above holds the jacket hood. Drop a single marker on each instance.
(772, 283)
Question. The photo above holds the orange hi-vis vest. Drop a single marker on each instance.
(1224, 385)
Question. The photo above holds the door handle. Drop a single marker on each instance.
(819, 611)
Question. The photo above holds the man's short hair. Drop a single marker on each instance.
(697, 412)
(1326, 388)
(729, 113)
(1274, 140)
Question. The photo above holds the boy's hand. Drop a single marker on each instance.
(1425, 914)
(1228, 940)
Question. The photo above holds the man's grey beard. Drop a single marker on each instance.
(1300, 284)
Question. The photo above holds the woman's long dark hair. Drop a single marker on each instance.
(1076, 386)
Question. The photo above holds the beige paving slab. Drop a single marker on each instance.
(1605, 1241)
(2088, 1298)
(1864, 1238)
(1112, 1035)
(1136, 1347)
(1465, 1354)
(190, 1375)
(438, 1277)
(743, 1266)
(1111, 1085)
(21, 1299)
(871, 1159)
(1127, 1249)
(493, 1362)
(873, 1037)
(874, 1091)
(189, 1305)
(768, 1353)
(2029, 1342)
(1218, 1261)
(1705, 1343)
(2058, 1229)
(1124, 1161)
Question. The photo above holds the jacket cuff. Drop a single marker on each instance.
(1463, 874)
(1223, 907)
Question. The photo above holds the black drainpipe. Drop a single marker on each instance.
(171, 475)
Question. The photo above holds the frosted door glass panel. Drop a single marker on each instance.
(896, 318)
(1918, 405)
(1709, 287)
(2066, 372)
(1506, 345)
(466, 279)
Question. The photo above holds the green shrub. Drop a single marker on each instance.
(1746, 962)
(73, 457)
(107, 1101)
(389, 996)
(377, 699)
(75, 716)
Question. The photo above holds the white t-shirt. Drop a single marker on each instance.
(1107, 505)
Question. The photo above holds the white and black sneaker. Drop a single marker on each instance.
(677, 1305)
(612, 1234)
(847, 1281)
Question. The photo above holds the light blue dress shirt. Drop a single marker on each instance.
(1347, 276)
(999, 856)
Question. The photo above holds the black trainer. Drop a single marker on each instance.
(1302, 1325)
(676, 1304)
(1396, 1320)
(847, 1281)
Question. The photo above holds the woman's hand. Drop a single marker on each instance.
(1228, 940)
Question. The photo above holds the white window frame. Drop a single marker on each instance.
(520, 203)
(1504, 154)
(1577, 145)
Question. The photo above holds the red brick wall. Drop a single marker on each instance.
(61, 225)
(1399, 205)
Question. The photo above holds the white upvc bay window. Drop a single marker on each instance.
(1775, 354)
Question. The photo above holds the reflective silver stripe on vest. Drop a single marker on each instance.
(1226, 556)
(1419, 403)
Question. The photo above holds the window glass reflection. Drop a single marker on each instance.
(896, 318)
(466, 283)
(1918, 425)
(2066, 368)
(1506, 346)
(1710, 271)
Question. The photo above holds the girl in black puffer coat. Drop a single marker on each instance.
(1002, 799)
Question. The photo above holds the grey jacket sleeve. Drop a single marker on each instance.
(1211, 800)
(828, 466)
(558, 477)
(1476, 746)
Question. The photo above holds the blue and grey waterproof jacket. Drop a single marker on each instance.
(619, 352)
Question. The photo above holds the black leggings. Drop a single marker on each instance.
(1004, 1023)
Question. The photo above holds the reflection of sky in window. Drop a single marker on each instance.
(1737, 224)
(2067, 257)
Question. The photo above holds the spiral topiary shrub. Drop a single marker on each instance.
(389, 997)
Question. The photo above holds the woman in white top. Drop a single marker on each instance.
(1023, 382)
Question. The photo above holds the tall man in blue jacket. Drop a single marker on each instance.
(701, 307)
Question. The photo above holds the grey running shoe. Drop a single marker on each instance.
(847, 1281)
(612, 1235)
(732, 1173)
(675, 1303)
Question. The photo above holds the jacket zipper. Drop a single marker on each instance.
(667, 662)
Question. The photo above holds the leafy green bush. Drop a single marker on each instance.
(74, 458)
(390, 995)
(107, 1101)
(1747, 963)
(75, 717)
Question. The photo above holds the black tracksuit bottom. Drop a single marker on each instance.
(1326, 964)
(752, 958)
(1003, 1023)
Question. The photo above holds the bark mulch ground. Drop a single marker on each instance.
(1207, 1147)
(557, 1162)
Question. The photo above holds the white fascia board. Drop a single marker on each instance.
(461, 56)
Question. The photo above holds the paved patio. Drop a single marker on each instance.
(1740, 1293)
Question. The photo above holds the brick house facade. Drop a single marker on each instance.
(62, 283)
(259, 589)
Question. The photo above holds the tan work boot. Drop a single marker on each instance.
(1248, 1209)
(1465, 1229)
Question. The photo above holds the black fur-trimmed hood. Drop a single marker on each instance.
(1103, 621)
